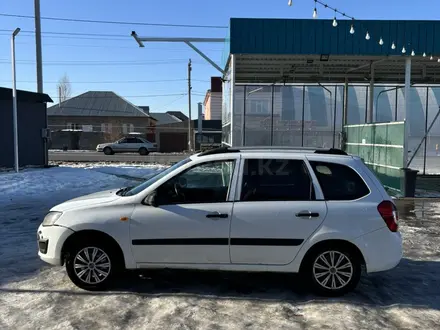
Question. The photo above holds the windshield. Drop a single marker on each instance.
(155, 178)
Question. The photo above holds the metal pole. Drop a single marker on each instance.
(345, 110)
(371, 96)
(38, 46)
(200, 124)
(14, 100)
(189, 107)
(406, 107)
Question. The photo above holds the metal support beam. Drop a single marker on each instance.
(406, 106)
(198, 51)
(345, 110)
(366, 65)
(188, 41)
(371, 96)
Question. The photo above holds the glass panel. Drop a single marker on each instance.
(318, 117)
(287, 115)
(238, 113)
(258, 116)
(226, 106)
(416, 126)
(357, 98)
(339, 110)
(384, 104)
(433, 139)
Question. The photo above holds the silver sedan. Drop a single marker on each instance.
(128, 144)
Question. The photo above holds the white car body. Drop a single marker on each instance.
(247, 238)
(128, 144)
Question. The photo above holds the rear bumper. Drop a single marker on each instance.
(50, 243)
(382, 249)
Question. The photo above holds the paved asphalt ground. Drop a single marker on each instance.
(93, 156)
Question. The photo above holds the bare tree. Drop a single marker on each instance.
(64, 88)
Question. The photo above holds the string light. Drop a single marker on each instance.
(315, 12)
(352, 30)
(438, 60)
(335, 23)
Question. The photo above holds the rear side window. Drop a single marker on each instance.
(276, 180)
(339, 182)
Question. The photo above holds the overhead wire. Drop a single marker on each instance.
(66, 19)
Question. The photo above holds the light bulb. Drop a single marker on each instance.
(403, 50)
(393, 45)
(431, 58)
(290, 2)
(413, 53)
(367, 36)
(352, 29)
(424, 54)
(381, 41)
(438, 60)
(315, 13)
(335, 23)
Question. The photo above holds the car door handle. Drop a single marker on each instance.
(217, 215)
(307, 214)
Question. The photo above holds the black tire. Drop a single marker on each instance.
(108, 151)
(103, 255)
(143, 151)
(316, 276)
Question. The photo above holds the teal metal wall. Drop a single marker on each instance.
(381, 146)
(306, 36)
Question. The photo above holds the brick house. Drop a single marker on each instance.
(213, 100)
(95, 117)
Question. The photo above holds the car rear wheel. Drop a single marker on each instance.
(108, 151)
(91, 266)
(333, 271)
(143, 151)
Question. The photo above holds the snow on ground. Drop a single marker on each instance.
(34, 296)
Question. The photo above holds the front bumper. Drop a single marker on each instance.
(99, 149)
(50, 243)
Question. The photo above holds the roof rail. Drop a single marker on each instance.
(222, 150)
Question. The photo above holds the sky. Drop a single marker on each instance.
(156, 75)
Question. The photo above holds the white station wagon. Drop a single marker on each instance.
(320, 213)
(128, 144)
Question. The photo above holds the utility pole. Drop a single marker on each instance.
(189, 106)
(38, 46)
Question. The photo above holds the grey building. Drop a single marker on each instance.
(32, 121)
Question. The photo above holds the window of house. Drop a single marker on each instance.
(339, 182)
(276, 180)
(124, 128)
(73, 126)
(204, 183)
(106, 127)
(259, 106)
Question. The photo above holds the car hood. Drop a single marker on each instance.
(104, 144)
(88, 200)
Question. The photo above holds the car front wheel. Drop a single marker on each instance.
(108, 151)
(91, 266)
(333, 271)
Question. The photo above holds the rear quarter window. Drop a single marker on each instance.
(339, 182)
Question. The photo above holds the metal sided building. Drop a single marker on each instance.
(299, 82)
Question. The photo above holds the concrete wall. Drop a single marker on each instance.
(31, 120)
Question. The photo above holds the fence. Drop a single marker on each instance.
(311, 116)
(382, 147)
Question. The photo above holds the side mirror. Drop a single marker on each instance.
(151, 199)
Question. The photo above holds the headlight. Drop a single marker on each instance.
(51, 218)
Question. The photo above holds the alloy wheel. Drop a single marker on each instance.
(333, 270)
(92, 265)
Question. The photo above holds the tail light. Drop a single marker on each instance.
(388, 212)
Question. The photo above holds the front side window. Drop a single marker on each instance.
(276, 180)
(339, 182)
(203, 183)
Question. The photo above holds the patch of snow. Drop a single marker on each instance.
(122, 169)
